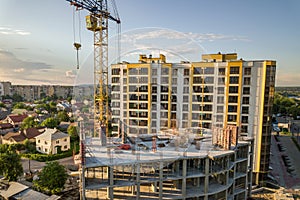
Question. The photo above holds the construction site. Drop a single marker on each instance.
(168, 166)
(178, 163)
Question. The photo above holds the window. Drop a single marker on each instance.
(244, 129)
(220, 99)
(46, 142)
(186, 72)
(57, 141)
(164, 71)
(234, 80)
(221, 81)
(209, 80)
(245, 110)
(248, 71)
(231, 118)
(186, 81)
(234, 70)
(247, 81)
(174, 81)
(197, 79)
(185, 99)
(219, 109)
(46, 150)
(115, 71)
(185, 90)
(244, 119)
(39, 141)
(144, 71)
(219, 118)
(174, 72)
(246, 90)
(232, 108)
(221, 71)
(154, 89)
(185, 107)
(164, 80)
(65, 139)
(154, 72)
(184, 116)
(233, 99)
(65, 147)
(220, 90)
(233, 89)
(209, 70)
(245, 100)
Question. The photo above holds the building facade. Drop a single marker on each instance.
(220, 90)
(5, 88)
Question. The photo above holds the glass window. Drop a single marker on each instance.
(234, 70)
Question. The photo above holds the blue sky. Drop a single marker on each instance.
(36, 37)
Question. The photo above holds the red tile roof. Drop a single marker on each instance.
(17, 118)
(5, 125)
(16, 136)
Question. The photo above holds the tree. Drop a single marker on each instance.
(2, 105)
(50, 122)
(73, 133)
(10, 163)
(19, 106)
(52, 178)
(29, 122)
(62, 116)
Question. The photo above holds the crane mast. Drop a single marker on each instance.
(97, 22)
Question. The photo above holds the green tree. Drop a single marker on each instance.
(50, 122)
(19, 106)
(10, 162)
(29, 122)
(52, 178)
(73, 133)
(17, 98)
(62, 116)
(2, 105)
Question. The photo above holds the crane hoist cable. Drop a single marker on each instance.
(77, 45)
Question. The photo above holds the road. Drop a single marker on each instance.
(35, 165)
(280, 173)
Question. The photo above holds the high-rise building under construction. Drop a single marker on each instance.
(152, 95)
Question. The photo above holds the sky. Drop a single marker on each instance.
(36, 37)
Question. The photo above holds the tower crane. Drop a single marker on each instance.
(97, 22)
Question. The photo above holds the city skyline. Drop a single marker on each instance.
(36, 39)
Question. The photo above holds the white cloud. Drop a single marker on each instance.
(71, 73)
(19, 70)
(10, 31)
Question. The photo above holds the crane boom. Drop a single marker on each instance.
(97, 22)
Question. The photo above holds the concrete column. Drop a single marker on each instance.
(110, 190)
(184, 166)
(206, 180)
(161, 180)
(138, 181)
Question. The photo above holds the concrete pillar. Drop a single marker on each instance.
(184, 166)
(138, 181)
(161, 180)
(206, 180)
(110, 190)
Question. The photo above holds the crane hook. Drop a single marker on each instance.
(77, 47)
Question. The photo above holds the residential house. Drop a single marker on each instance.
(5, 128)
(52, 141)
(15, 190)
(13, 138)
(64, 106)
(16, 120)
(21, 136)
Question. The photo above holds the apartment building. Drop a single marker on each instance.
(5, 88)
(152, 95)
(34, 92)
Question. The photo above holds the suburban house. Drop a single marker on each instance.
(52, 141)
(21, 136)
(5, 128)
(16, 120)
